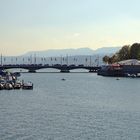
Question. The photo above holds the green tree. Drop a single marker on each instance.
(135, 51)
(106, 59)
(110, 60)
(114, 59)
(124, 53)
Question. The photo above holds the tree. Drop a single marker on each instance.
(110, 60)
(124, 53)
(135, 51)
(114, 59)
(106, 59)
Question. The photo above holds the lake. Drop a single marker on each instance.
(83, 107)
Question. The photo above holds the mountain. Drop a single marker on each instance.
(107, 50)
(80, 56)
(73, 52)
(61, 52)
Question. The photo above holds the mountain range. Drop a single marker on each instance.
(71, 56)
(73, 52)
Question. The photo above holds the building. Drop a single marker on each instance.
(122, 69)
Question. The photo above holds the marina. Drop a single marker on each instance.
(9, 81)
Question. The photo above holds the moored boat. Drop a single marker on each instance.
(9, 81)
(27, 85)
(127, 68)
(8, 86)
(1, 86)
(17, 86)
(63, 79)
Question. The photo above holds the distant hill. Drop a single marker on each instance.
(73, 52)
(75, 56)
(107, 50)
(61, 52)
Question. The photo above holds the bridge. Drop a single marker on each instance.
(63, 68)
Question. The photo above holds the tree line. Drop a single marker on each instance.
(125, 53)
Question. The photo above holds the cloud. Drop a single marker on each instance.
(76, 34)
(72, 36)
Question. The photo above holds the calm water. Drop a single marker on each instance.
(84, 107)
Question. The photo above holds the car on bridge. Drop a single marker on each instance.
(46, 65)
(81, 65)
(72, 65)
(64, 65)
(57, 65)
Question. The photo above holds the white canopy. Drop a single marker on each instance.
(130, 62)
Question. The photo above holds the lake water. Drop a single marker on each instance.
(84, 107)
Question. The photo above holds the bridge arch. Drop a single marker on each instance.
(14, 69)
(50, 69)
(79, 70)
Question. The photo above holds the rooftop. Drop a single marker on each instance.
(130, 62)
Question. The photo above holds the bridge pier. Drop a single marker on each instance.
(92, 70)
(65, 71)
(32, 71)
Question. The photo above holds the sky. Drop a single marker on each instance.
(33, 25)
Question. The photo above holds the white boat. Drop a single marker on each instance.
(27, 85)
(1, 86)
(17, 86)
(117, 78)
(8, 86)
(133, 75)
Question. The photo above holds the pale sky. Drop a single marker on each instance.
(32, 25)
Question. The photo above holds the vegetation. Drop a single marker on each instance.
(126, 52)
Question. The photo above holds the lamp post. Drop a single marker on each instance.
(4, 60)
(61, 60)
(23, 60)
(31, 60)
(67, 61)
(34, 59)
(1, 59)
(86, 61)
(16, 60)
(11, 60)
(90, 61)
(98, 60)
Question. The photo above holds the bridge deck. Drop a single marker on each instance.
(32, 68)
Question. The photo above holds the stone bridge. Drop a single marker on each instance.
(63, 68)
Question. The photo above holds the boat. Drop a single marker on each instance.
(8, 86)
(1, 86)
(133, 75)
(2, 83)
(114, 70)
(9, 81)
(127, 68)
(27, 85)
(63, 79)
(17, 86)
(16, 74)
(117, 78)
